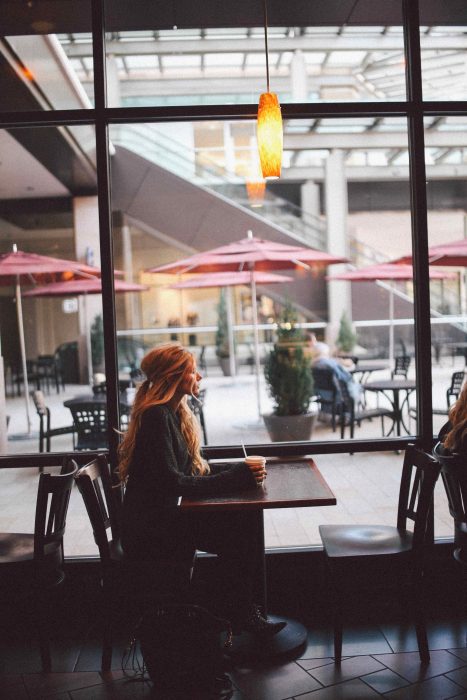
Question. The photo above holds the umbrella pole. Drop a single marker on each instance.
(391, 325)
(256, 339)
(230, 334)
(22, 345)
(87, 336)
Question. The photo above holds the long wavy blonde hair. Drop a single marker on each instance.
(458, 419)
(165, 368)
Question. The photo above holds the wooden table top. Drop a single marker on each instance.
(289, 484)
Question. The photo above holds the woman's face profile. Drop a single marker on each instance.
(190, 381)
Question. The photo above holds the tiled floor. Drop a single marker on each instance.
(378, 662)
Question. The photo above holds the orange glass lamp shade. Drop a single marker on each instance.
(269, 135)
(255, 190)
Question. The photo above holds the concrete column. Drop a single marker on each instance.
(310, 198)
(339, 297)
(132, 319)
(229, 149)
(86, 230)
(114, 94)
(298, 77)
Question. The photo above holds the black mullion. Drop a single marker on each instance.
(60, 117)
(105, 229)
(419, 223)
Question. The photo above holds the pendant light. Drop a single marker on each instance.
(269, 126)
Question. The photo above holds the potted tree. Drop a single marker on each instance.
(346, 338)
(290, 383)
(222, 336)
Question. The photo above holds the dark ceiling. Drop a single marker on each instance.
(62, 16)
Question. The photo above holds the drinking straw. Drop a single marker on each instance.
(243, 448)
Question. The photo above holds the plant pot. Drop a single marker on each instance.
(286, 428)
(225, 366)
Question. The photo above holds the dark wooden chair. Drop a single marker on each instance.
(350, 547)
(148, 580)
(352, 414)
(197, 408)
(454, 476)
(31, 565)
(401, 366)
(46, 432)
(327, 389)
(90, 421)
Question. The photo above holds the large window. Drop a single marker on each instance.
(155, 158)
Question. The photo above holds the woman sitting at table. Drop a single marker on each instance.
(453, 434)
(160, 460)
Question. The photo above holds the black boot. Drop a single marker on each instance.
(255, 623)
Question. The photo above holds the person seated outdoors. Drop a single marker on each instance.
(161, 460)
(321, 359)
(453, 434)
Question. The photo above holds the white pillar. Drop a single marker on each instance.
(310, 198)
(298, 77)
(339, 298)
(229, 149)
(132, 315)
(86, 229)
(114, 95)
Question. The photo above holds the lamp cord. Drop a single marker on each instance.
(266, 41)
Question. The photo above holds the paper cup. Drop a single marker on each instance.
(253, 460)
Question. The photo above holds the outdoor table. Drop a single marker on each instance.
(366, 368)
(97, 399)
(394, 386)
(289, 484)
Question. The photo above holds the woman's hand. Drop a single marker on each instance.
(259, 472)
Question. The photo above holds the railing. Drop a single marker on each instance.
(178, 158)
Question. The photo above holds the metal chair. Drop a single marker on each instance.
(352, 414)
(90, 421)
(347, 546)
(197, 408)
(46, 432)
(328, 392)
(401, 366)
(148, 580)
(48, 368)
(31, 565)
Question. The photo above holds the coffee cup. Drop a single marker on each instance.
(256, 460)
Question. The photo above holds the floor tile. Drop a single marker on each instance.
(459, 676)
(460, 653)
(441, 635)
(116, 690)
(437, 688)
(408, 664)
(384, 681)
(350, 690)
(308, 664)
(273, 683)
(348, 669)
(40, 685)
(356, 640)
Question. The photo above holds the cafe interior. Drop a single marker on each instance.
(146, 198)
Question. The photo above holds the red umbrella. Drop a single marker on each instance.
(230, 279)
(453, 254)
(82, 287)
(18, 268)
(389, 272)
(252, 254)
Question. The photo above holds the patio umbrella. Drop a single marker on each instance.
(83, 287)
(453, 254)
(230, 279)
(390, 272)
(17, 268)
(252, 254)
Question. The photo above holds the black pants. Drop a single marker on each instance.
(235, 537)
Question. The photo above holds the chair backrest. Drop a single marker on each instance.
(325, 383)
(100, 498)
(197, 408)
(454, 476)
(100, 388)
(347, 400)
(401, 366)
(420, 472)
(53, 496)
(90, 421)
(457, 380)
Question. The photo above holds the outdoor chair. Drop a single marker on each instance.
(31, 565)
(148, 580)
(454, 476)
(452, 393)
(366, 548)
(90, 421)
(197, 408)
(202, 364)
(48, 368)
(46, 432)
(327, 389)
(17, 376)
(401, 366)
(351, 413)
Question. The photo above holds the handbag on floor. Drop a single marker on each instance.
(182, 648)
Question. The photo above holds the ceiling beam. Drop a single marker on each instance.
(372, 139)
